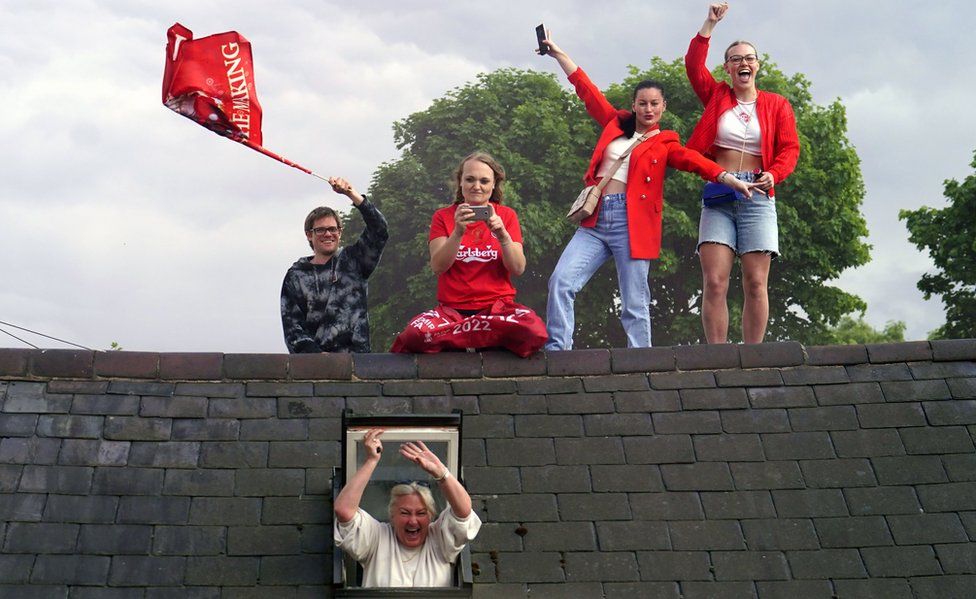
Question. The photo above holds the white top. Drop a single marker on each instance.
(387, 564)
(614, 149)
(738, 129)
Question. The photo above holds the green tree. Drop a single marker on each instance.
(539, 133)
(850, 330)
(538, 129)
(949, 235)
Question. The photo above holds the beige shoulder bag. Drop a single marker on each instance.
(585, 203)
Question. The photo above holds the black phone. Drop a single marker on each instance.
(480, 212)
(540, 36)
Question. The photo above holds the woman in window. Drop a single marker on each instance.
(416, 548)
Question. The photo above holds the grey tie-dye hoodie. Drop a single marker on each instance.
(323, 306)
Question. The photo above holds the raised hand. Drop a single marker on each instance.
(567, 64)
(346, 503)
(554, 50)
(455, 494)
(717, 11)
(341, 186)
(372, 443)
(417, 452)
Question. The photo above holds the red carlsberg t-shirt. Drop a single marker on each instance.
(478, 276)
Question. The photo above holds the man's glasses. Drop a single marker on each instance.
(320, 231)
(739, 59)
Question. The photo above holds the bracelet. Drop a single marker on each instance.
(721, 177)
(447, 473)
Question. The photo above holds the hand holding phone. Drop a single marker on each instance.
(541, 35)
(480, 212)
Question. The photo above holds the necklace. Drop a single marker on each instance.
(745, 117)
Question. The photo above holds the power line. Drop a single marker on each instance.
(41, 334)
(19, 339)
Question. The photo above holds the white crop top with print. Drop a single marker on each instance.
(614, 149)
(738, 129)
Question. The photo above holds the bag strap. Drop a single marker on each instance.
(616, 165)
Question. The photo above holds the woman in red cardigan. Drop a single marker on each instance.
(752, 134)
(627, 222)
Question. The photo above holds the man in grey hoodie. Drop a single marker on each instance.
(323, 296)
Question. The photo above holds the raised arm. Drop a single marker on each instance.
(451, 489)
(569, 67)
(596, 103)
(699, 76)
(347, 502)
(341, 186)
(370, 244)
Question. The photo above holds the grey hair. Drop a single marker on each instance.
(403, 489)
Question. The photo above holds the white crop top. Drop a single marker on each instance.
(614, 149)
(738, 129)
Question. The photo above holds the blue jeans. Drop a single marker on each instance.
(584, 255)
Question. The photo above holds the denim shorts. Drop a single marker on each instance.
(744, 225)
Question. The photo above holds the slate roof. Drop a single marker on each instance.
(765, 471)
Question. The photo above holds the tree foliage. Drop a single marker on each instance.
(949, 236)
(537, 128)
(852, 330)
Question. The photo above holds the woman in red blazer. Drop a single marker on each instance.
(627, 222)
(752, 134)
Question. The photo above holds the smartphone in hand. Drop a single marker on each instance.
(540, 36)
(481, 212)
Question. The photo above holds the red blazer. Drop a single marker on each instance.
(645, 177)
(780, 145)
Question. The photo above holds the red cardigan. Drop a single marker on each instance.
(780, 145)
(645, 176)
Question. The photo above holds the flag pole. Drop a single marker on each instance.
(279, 158)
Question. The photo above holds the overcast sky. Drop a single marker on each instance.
(122, 221)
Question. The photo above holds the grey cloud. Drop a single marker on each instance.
(121, 221)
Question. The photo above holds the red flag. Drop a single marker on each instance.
(211, 81)
(505, 324)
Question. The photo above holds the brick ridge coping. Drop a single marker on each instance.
(31, 364)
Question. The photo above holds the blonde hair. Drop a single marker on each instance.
(404, 489)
